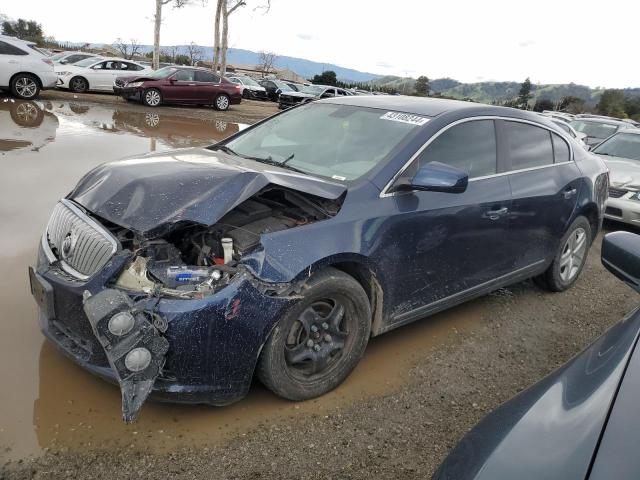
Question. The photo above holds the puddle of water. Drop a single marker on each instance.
(49, 402)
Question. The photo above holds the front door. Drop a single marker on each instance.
(446, 245)
(181, 87)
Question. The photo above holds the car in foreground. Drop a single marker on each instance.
(24, 70)
(275, 87)
(179, 85)
(280, 251)
(249, 88)
(580, 422)
(621, 154)
(96, 73)
(309, 93)
(597, 129)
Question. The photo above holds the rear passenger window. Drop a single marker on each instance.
(208, 77)
(529, 146)
(560, 149)
(8, 49)
(470, 146)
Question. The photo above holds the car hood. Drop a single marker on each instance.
(551, 430)
(624, 172)
(135, 78)
(255, 88)
(153, 193)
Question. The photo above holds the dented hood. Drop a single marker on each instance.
(147, 194)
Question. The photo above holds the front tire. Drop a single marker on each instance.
(320, 340)
(570, 257)
(78, 85)
(25, 86)
(152, 97)
(221, 102)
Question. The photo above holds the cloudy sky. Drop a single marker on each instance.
(558, 41)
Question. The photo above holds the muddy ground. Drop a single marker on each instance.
(416, 392)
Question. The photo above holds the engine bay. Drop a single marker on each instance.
(193, 260)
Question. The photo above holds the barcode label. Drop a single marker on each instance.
(404, 118)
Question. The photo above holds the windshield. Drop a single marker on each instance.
(626, 145)
(342, 142)
(312, 89)
(283, 86)
(594, 129)
(58, 56)
(162, 73)
(249, 81)
(87, 62)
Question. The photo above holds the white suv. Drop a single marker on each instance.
(24, 69)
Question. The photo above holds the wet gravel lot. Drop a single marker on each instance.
(417, 391)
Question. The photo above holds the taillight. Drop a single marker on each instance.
(47, 61)
(237, 87)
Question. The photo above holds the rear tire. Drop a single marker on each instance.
(152, 97)
(569, 259)
(320, 340)
(78, 85)
(25, 86)
(221, 102)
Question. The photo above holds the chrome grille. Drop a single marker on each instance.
(80, 245)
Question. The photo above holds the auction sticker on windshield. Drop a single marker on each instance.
(404, 118)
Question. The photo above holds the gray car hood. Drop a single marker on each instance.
(152, 193)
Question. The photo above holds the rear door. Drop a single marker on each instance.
(545, 184)
(207, 85)
(10, 61)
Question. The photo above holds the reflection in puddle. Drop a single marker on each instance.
(47, 401)
(30, 126)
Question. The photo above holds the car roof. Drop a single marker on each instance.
(16, 39)
(429, 107)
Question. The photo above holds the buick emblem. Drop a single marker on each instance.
(68, 244)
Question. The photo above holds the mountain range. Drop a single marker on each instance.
(484, 92)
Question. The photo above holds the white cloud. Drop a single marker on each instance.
(464, 40)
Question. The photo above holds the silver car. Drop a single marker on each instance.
(621, 153)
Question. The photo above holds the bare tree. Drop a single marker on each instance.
(194, 52)
(266, 61)
(157, 23)
(224, 8)
(127, 50)
(171, 52)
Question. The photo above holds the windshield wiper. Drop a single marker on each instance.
(268, 160)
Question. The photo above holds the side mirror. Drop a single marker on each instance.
(437, 177)
(621, 256)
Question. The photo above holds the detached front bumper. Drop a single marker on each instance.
(213, 342)
(623, 210)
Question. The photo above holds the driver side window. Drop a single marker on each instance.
(469, 146)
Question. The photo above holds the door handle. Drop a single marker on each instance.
(569, 192)
(496, 214)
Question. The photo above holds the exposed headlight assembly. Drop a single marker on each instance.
(134, 84)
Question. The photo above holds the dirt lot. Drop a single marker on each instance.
(416, 392)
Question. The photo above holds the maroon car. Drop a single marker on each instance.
(179, 85)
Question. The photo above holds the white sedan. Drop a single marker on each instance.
(96, 73)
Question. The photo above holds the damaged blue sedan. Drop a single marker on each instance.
(281, 250)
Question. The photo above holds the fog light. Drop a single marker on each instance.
(137, 359)
(121, 323)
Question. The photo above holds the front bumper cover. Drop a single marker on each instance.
(623, 210)
(213, 342)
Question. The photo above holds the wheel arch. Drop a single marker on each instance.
(591, 212)
(35, 75)
(359, 267)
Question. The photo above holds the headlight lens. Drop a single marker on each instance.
(635, 196)
(134, 84)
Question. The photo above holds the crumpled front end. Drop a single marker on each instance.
(178, 316)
